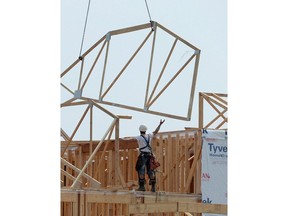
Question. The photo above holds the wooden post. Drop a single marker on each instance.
(117, 162)
(91, 138)
(174, 175)
(82, 203)
(177, 146)
(182, 164)
(130, 166)
(198, 142)
(170, 161)
(124, 164)
(111, 176)
(200, 111)
(186, 159)
(193, 85)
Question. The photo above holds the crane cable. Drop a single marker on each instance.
(80, 57)
(148, 10)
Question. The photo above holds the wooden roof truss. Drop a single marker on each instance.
(150, 96)
(218, 102)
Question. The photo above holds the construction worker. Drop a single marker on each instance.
(145, 154)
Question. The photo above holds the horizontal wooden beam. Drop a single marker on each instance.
(124, 117)
(140, 109)
(68, 196)
(77, 103)
(177, 207)
(123, 144)
(146, 202)
(211, 94)
(203, 208)
(132, 197)
(153, 208)
(171, 197)
(68, 102)
(106, 197)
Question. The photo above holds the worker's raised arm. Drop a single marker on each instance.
(158, 127)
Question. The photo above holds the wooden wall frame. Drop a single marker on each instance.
(169, 199)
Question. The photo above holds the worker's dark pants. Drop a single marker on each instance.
(145, 163)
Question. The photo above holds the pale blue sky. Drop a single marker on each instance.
(202, 23)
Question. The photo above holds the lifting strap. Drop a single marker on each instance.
(147, 144)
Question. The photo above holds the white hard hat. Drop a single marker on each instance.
(142, 128)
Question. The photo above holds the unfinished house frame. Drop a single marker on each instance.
(98, 177)
(178, 177)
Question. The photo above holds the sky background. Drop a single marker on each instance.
(202, 23)
(30, 42)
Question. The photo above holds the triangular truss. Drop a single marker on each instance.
(153, 91)
(218, 102)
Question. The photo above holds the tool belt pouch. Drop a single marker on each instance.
(139, 163)
(153, 163)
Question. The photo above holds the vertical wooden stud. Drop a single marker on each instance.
(117, 161)
(200, 123)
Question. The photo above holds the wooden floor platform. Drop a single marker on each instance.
(111, 202)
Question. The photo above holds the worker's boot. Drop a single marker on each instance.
(152, 182)
(153, 187)
(141, 185)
